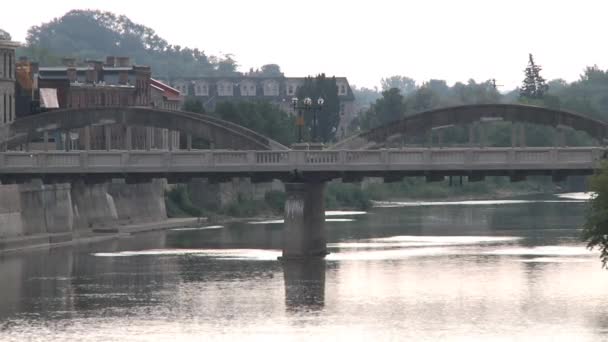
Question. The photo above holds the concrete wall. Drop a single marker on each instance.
(205, 194)
(34, 208)
(144, 202)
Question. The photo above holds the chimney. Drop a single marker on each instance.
(71, 74)
(110, 61)
(96, 72)
(123, 61)
(123, 77)
(68, 61)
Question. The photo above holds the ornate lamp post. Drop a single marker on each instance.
(307, 105)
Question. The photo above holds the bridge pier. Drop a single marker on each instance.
(304, 233)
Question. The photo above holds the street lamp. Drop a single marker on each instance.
(307, 105)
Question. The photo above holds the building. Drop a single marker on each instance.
(113, 83)
(165, 97)
(97, 84)
(7, 78)
(276, 89)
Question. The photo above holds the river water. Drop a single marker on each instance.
(473, 270)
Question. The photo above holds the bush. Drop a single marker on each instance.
(178, 204)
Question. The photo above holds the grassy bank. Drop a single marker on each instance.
(357, 196)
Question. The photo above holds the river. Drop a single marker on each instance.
(472, 270)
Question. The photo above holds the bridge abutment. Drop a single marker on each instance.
(304, 233)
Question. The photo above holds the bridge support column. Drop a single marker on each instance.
(513, 134)
(149, 138)
(128, 138)
(304, 233)
(45, 138)
(522, 135)
(560, 137)
(108, 137)
(87, 138)
(471, 135)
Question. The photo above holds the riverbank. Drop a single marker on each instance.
(28, 242)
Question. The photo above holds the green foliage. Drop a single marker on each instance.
(433, 94)
(417, 187)
(595, 231)
(328, 117)
(262, 117)
(194, 106)
(345, 195)
(405, 84)
(178, 204)
(533, 86)
(90, 34)
(275, 200)
(271, 70)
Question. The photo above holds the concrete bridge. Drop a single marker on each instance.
(239, 152)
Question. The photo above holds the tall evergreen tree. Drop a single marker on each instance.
(328, 117)
(534, 85)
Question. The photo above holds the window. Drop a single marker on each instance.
(342, 89)
(290, 90)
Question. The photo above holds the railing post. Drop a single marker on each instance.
(342, 157)
(87, 138)
(83, 160)
(471, 135)
(513, 134)
(251, 158)
(128, 138)
(149, 137)
(45, 138)
(427, 156)
(108, 137)
(384, 157)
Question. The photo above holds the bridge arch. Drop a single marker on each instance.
(416, 124)
(223, 134)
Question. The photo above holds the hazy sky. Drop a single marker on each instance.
(453, 40)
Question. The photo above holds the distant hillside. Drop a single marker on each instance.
(95, 34)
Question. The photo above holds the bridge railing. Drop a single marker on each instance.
(344, 160)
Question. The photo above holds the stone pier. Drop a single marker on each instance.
(304, 232)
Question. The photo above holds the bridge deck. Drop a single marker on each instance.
(580, 159)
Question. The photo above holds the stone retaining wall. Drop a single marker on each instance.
(35, 209)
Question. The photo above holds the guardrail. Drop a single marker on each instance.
(270, 161)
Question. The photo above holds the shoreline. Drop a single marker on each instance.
(98, 234)
(29, 242)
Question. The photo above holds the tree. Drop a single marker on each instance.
(271, 70)
(89, 34)
(533, 86)
(595, 231)
(405, 84)
(328, 117)
(194, 106)
(262, 117)
(4, 35)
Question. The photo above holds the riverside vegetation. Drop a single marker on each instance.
(93, 34)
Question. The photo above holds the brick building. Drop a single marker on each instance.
(278, 90)
(7, 78)
(115, 82)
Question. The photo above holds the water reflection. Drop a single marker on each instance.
(304, 284)
(474, 272)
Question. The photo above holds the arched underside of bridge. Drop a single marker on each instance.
(223, 134)
(418, 124)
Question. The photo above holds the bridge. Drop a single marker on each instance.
(235, 151)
